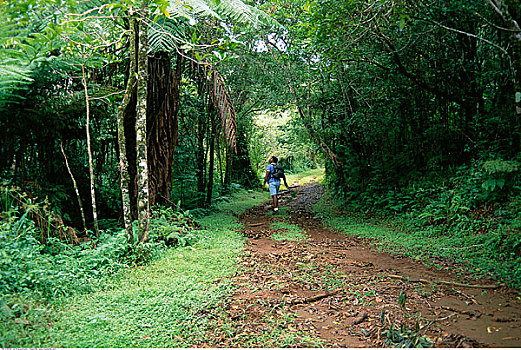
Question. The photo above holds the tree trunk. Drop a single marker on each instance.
(80, 204)
(130, 142)
(209, 192)
(89, 151)
(141, 135)
(200, 158)
(123, 161)
(240, 164)
(228, 170)
(162, 124)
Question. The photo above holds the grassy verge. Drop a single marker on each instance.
(166, 303)
(176, 300)
(306, 176)
(163, 304)
(475, 254)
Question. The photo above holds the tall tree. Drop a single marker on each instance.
(125, 179)
(141, 126)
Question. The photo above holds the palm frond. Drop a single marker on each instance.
(14, 78)
(238, 11)
(15, 71)
(241, 12)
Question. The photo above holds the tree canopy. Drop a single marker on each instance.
(180, 101)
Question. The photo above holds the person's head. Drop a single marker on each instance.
(274, 159)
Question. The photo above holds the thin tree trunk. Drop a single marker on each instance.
(227, 171)
(219, 159)
(123, 162)
(240, 163)
(141, 135)
(80, 204)
(89, 151)
(200, 160)
(209, 192)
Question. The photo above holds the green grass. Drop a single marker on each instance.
(287, 231)
(306, 176)
(240, 202)
(283, 213)
(164, 304)
(427, 245)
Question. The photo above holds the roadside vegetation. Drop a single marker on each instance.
(158, 294)
(470, 218)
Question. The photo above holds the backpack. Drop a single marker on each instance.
(278, 172)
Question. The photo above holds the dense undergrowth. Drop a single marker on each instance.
(104, 292)
(470, 216)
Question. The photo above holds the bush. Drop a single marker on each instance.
(55, 269)
(472, 211)
(173, 226)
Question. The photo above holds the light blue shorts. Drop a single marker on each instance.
(274, 187)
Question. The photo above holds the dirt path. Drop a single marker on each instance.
(349, 295)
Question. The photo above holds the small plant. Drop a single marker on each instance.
(402, 298)
(173, 226)
(405, 337)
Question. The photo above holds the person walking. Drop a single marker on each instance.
(274, 173)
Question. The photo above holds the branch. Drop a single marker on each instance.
(105, 96)
(370, 61)
(510, 30)
(315, 298)
(401, 68)
(499, 7)
(82, 212)
(329, 153)
(449, 283)
(466, 33)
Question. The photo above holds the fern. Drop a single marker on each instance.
(15, 73)
(238, 11)
(190, 9)
(165, 35)
(241, 12)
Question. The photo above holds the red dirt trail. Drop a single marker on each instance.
(343, 291)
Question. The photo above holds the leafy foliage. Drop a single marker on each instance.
(402, 337)
(171, 300)
(55, 269)
(15, 62)
(173, 226)
(445, 218)
(279, 133)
